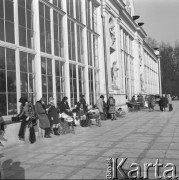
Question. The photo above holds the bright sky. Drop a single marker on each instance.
(161, 18)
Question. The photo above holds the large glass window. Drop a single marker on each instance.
(73, 84)
(45, 30)
(47, 80)
(27, 75)
(7, 21)
(58, 42)
(60, 79)
(25, 23)
(71, 40)
(91, 86)
(8, 101)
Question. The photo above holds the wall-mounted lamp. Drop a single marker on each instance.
(141, 24)
(135, 17)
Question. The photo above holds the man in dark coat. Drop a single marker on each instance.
(44, 122)
(53, 115)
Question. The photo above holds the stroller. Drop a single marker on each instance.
(94, 115)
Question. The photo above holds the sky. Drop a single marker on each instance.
(160, 17)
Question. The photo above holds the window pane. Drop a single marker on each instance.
(41, 9)
(58, 84)
(1, 30)
(47, 13)
(55, 19)
(57, 72)
(22, 36)
(23, 62)
(44, 84)
(42, 43)
(2, 58)
(29, 36)
(9, 10)
(56, 48)
(24, 82)
(2, 81)
(1, 9)
(12, 104)
(31, 63)
(55, 2)
(21, 3)
(9, 32)
(50, 86)
(3, 104)
(11, 81)
(29, 19)
(42, 31)
(43, 66)
(22, 20)
(49, 67)
(10, 58)
(31, 83)
(28, 4)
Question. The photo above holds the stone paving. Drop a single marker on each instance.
(142, 137)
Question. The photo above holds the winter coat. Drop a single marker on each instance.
(64, 108)
(169, 100)
(53, 113)
(164, 102)
(111, 104)
(99, 104)
(42, 116)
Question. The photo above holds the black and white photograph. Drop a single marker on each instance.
(89, 89)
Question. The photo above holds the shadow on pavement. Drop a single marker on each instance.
(11, 170)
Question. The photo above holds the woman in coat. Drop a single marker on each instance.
(44, 122)
(23, 116)
(112, 107)
(170, 102)
(53, 115)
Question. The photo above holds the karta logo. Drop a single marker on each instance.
(115, 169)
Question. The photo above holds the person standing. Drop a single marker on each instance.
(164, 102)
(23, 116)
(112, 110)
(100, 105)
(83, 102)
(53, 115)
(44, 122)
(170, 102)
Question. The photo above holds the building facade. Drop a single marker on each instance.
(71, 47)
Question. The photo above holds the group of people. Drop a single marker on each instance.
(47, 114)
(107, 110)
(165, 101)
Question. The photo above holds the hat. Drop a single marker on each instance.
(43, 99)
(51, 98)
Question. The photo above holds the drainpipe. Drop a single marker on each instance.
(105, 55)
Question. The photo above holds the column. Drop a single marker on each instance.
(118, 50)
(86, 78)
(66, 55)
(17, 55)
(38, 79)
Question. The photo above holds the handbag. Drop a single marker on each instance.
(15, 119)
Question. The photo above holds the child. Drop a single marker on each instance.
(2, 130)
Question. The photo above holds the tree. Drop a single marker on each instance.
(152, 42)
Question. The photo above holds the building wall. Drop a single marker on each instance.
(56, 48)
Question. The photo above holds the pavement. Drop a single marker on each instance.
(141, 137)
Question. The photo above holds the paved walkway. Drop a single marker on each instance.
(141, 137)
